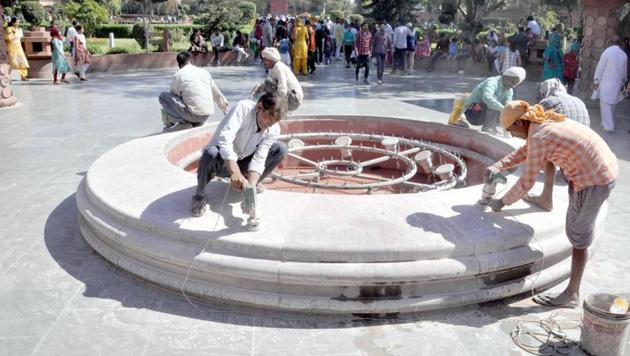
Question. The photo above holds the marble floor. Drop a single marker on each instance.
(59, 297)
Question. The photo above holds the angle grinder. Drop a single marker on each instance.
(490, 188)
(248, 206)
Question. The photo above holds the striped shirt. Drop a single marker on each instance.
(583, 156)
(509, 59)
(364, 43)
(568, 105)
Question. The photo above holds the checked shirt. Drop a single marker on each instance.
(583, 156)
(364, 44)
(568, 105)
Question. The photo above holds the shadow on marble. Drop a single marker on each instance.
(476, 223)
(107, 287)
(441, 105)
(173, 208)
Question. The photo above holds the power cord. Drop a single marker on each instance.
(192, 263)
(545, 337)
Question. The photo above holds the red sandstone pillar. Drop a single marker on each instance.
(278, 7)
(6, 94)
(600, 25)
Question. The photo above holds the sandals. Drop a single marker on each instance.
(198, 205)
(549, 301)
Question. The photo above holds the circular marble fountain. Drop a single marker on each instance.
(358, 225)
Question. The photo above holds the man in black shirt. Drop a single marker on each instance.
(441, 50)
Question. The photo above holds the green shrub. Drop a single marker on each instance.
(139, 34)
(94, 49)
(33, 12)
(356, 18)
(177, 35)
(186, 30)
(119, 30)
(336, 15)
(118, 50)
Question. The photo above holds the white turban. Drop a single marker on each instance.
(271, 53)
(515, 72)
(551, 87)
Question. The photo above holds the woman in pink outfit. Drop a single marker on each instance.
(424, 47)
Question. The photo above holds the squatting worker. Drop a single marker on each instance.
(554, 97)
(587, 163)
(245, 144)
(280, 79)
(193, 94)
(488, 98)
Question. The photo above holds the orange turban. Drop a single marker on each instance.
(519, 109)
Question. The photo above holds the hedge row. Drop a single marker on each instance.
(125, 30)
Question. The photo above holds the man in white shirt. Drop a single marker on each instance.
(217, 40)
(610, 75)
(534, 27)
(191, 99)
(399, 42)
(267, 40)
(280, 79)
(71, 33)
(245, 144)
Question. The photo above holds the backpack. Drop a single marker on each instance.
(570, 65)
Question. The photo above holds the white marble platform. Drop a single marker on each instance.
(315, 253)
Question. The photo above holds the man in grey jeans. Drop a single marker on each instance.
(191, 99)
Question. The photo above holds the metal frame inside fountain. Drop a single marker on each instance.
(415, 159)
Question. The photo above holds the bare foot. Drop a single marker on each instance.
(545, 204)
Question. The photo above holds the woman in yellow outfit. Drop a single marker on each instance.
(300, 47)
(17, 59)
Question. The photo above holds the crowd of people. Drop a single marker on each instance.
(303, 44)
(74, 38)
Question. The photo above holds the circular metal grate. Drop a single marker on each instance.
(411, 157)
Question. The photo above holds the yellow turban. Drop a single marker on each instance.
(519, 109)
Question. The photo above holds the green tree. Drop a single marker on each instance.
(473, 10)
(148, 6)
(548, 20)
(336, 14)
(571, 6)
(33, 12)
(113, 6)
(449, 11)
(90, 14)
(248, 9)
(356, 18)
(393, 11)
(220, 15)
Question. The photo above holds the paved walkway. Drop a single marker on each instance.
(58, 297)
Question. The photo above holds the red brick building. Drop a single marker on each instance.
(278, 7)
